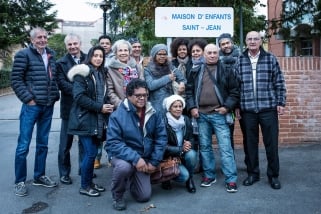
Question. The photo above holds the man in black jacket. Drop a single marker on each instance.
(215, 81)
(73, 57)
(33, 79)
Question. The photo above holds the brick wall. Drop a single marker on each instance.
(302, 121)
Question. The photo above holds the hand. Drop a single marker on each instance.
(194, 113)
(151, 168)
(221, 110)
(181, 88)
(187, 146)
(280, 109)
(31, 103)
(141, 165)
(107, 108)
(238, 113)
(172, 76)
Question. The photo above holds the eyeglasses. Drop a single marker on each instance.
(253, 39)
(161, 54)
(139, 96)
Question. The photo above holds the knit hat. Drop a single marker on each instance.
(224, 36)
(157, 48)
(133, 40)
(168, 101)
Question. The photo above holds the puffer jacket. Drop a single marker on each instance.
(128, 141)
(63, 65)
(227, 86)
(31, 80)
(83, 118)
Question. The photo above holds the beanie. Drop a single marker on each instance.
(168, 101)
(157, 48)
(133, 40)
(224, 36)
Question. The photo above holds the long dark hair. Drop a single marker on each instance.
(91, 54)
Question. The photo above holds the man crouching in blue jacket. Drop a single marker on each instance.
(136, 141)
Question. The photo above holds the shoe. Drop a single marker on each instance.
(275, 183)
(20, 189)
(97, 164)
(94, 175)
(207, 182)
(231, 187)
(89, 192)
(44, 181)
(66, 180)
(97, 187)
(250, 180)
(190, 186)
(119, 204)
(166, 185)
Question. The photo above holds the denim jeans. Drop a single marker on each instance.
(29, 116)
(87, 165)
(216, 123)
(187, 167)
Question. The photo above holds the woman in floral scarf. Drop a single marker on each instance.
(121, 70)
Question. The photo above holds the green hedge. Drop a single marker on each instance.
(5, 77)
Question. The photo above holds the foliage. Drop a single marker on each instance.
(140, 15)
(17, 17)
(294, 13)
(5, 78)
(56, 42)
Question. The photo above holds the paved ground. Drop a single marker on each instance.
(300, 177)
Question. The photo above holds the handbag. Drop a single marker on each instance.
(167, 170)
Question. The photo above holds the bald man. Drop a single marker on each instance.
(216, 81)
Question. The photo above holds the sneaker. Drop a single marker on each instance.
(20, 189)
(97, 164)
(207, 182)
(89, 192)
(65, 180)
(44, 181)
(97, 187)
(119, 204)
(231, 187)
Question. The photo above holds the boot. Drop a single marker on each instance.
(166, 185)
(190, 186)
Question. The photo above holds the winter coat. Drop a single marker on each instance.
(83, 118)
(157, 87)
(172, 148)
(64, 64)
(31, 80)
(227, 86)
(117, 83)
(270, 83)
(128, 141)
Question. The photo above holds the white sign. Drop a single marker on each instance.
(193, 21)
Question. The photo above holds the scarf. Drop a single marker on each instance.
(176, 124)
(159, 71)
(182, 65)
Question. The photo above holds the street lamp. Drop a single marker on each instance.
(105, 5)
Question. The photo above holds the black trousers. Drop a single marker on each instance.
(269, 124)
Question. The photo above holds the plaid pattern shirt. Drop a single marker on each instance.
(270, 83)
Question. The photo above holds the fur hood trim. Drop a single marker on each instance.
(81, 69)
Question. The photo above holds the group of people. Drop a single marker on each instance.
(141, 114)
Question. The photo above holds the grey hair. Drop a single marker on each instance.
(115, 46)
(33, 33)
(72, 36)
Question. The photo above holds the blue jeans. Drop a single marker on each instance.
(187, 167)
(29, 116)
(87, 165)
(208, 124)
